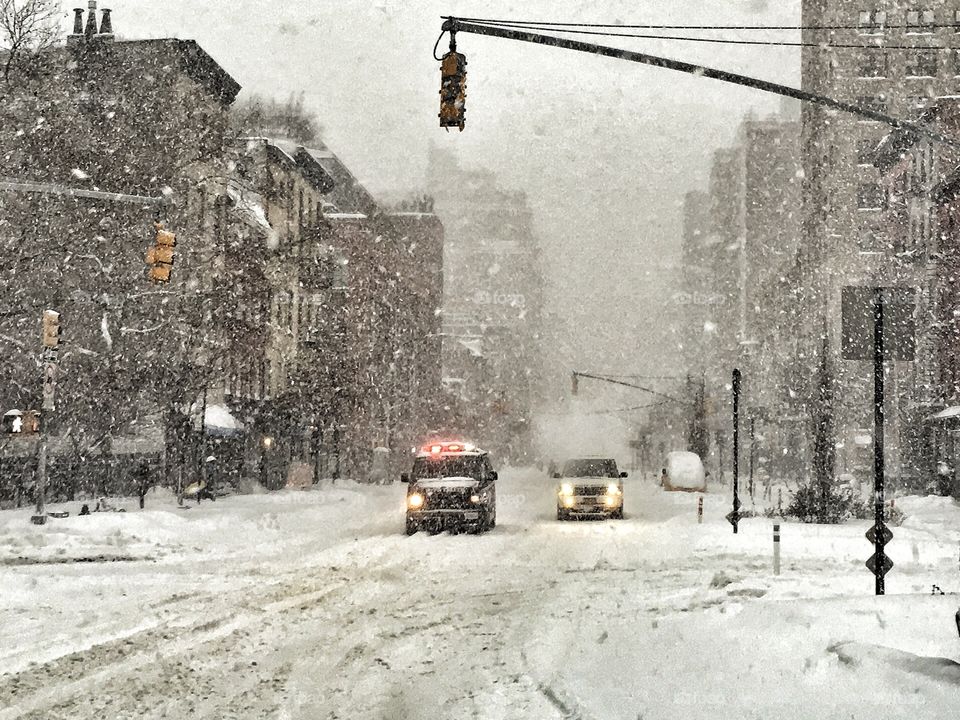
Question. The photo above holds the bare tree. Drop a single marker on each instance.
(27, 27)
(268, 117)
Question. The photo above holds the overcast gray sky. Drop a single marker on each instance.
(605, 148)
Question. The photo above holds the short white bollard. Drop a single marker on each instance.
(700, 512)
(776, 548)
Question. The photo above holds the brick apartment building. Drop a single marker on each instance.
(299, 309)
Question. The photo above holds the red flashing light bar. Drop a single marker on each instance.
(446, 447)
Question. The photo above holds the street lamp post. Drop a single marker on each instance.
(267, 443)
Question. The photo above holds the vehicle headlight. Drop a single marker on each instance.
(474, 498)
(566, 489)
(415, 501)
(613, 489)
(610, 500)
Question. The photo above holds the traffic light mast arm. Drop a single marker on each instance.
(601, 378)
(453, 25)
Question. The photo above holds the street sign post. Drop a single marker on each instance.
(49, 386)
(734, 517)
(892, 337)
(50, 341)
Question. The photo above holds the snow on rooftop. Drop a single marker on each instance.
(474, 346)
(950, 412)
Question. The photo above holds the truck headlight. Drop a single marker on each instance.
(566, 489)
(474, 498)
(610, 500)
(613, 489)
(414, 501)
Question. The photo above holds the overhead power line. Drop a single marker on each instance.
(719, 41)
(647, 26)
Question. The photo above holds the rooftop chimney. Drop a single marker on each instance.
(91, 29)
(106, 26)
(78, 21)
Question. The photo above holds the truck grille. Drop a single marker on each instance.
(590, 490)
(448, 499)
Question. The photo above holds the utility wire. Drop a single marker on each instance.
(616, 411)
(723, 41)
(488, 21)
(602, 378)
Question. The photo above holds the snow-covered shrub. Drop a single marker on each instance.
(816, 504)
(892, 515)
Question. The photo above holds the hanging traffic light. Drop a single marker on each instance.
(453, 89)
(51, 329)
(160, 256)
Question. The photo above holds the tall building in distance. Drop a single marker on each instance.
(739, 246)
(492, 304)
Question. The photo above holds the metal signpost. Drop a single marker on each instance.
(50, 339)
(734, 515)
(878, 325)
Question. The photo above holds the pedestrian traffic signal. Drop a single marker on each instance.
(18, 423)
(453, 90)
(51, 329)
(160, 256)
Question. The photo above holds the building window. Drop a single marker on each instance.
(920, 22)
(869, 102)
(872, 22)
(873, 64)
(865, 151)
(340, 275)
(872, 240)
(870, 196)
(922, 64)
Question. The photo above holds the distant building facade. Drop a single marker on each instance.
(739, 244)
(848, 236)
(493, 303)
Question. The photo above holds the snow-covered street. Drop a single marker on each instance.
(316, 605)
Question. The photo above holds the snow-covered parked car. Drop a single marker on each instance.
(453, 486)
(590, 487)
(684, 472)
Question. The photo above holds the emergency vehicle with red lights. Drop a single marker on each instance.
(452, 486)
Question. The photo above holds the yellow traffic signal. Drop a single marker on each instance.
(51, 329)
(453, 90)
(160, 256)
